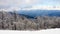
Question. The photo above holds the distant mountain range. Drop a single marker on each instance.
(35, 13)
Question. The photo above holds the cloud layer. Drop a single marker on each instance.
(29, 4)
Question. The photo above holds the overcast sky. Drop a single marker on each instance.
(4, 4)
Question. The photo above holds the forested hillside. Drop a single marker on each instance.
(14, 21)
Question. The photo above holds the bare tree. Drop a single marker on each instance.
(15, 16)
(2, 20)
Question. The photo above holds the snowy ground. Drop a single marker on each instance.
(48, 31)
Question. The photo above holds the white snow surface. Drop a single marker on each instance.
(47, 31)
